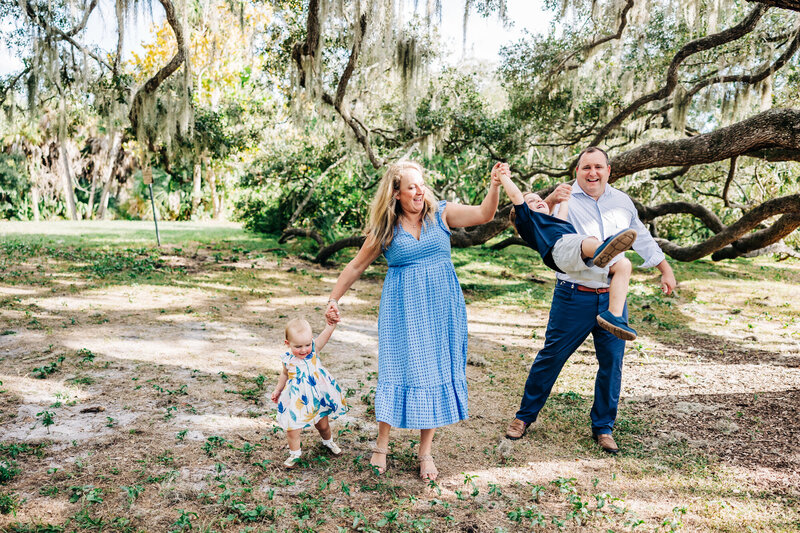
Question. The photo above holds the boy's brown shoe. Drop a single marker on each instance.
(516, 429)
(606, 441)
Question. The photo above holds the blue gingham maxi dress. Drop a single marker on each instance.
(422, 333)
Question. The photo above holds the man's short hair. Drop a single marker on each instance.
(591, 149)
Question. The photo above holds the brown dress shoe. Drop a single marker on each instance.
(606, 441)
(516, 429)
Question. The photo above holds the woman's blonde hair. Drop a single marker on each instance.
(385, 210)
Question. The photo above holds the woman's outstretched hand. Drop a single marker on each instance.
(498, 169)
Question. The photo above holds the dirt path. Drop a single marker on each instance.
(159, 388)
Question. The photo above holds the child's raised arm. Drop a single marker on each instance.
(322, 338)
(563, 210)
(513, 192)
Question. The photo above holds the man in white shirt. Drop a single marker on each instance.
(597, 209)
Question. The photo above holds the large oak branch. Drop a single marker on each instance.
(770, 130)
(166, 71)
(793, 5)
(737, 234)
(698, 45)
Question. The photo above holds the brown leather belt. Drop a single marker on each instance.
(601, 290)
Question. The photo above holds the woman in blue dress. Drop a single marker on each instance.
(422, 323)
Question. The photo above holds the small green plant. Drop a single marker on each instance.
(132, 493)
(47, 418)
(184, 521)
(212, 443)
(41, 372)
(49, 490)
(86, 356)
(181, 434)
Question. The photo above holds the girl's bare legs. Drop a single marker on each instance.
(427, 468)
(324, 428)
(618, 286)
(378, 458)
(293, 436)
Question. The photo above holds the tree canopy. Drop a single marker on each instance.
(283, 113)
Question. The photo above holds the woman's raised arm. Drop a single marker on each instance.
(461, 216)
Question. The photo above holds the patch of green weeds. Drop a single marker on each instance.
(49, 490)
(253, 394)
(213, 443)
(86, 355)
(41, 372)
(8, 502)
(132, 493)
(15, 449)
(83, 380)
(18, 527)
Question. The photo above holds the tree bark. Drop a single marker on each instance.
(350, 242)
(736, 235)
(66, 181)
(770, 130)
(196, 183)
(109, 170)
(216, 205)
(505, 243)
(165, 72)
(793, 5)
(35, 203)
(288, 233)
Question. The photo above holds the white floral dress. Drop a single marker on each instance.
(310, 394)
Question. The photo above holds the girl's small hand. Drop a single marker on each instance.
(276, 394)
(332, 313)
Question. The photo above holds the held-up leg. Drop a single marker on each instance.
(614, 319)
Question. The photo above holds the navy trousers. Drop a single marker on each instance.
(573, 316)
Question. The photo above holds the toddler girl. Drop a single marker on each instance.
(306, 393)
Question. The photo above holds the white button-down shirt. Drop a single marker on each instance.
(611, 213)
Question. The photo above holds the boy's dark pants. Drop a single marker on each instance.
(573, 316)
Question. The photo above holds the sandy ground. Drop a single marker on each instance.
(170, 358)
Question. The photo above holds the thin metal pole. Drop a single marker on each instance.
(155, 219)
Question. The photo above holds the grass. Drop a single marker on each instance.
(178, 346)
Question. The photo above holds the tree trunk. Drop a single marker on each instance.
(35, 203)
(90, 203)
(69, 191)
(33, 173)
(215, 201)
(196, 189)
(109, 170)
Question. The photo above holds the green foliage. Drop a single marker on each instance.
(14, 187)
(8, 502)
(8, 471)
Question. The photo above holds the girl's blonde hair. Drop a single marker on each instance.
(385, 210)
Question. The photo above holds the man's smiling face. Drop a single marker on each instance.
(592, 173)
